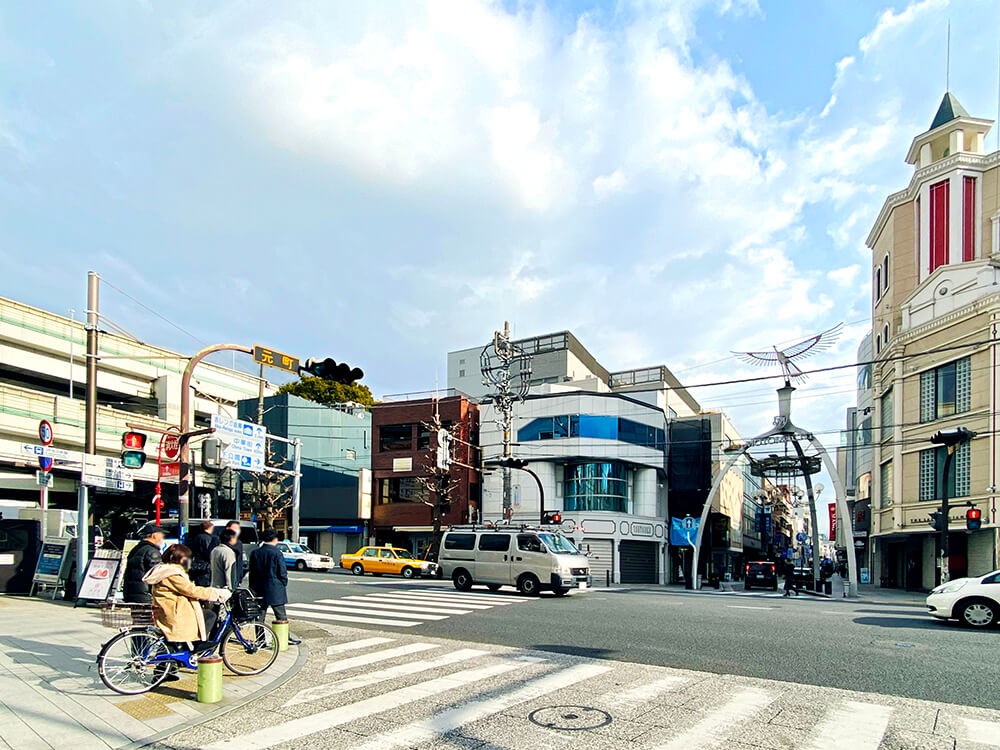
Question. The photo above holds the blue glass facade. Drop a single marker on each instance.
(593, 426)
(596, 486)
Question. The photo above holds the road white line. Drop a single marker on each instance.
(709, 732)
(639, 694)
(428, 600)
(371, 678)
(426, 730)
(340, 648)
(390, 653)
(852, 726)
(499, 601)
(299, 728)
(305, 614)
(983, 732)
(743, 606)
(366, 601)
(472, 596)
(359, 609)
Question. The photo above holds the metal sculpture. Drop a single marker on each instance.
(784, 358)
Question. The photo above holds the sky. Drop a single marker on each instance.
(383, 182)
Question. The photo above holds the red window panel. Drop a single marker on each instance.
(968, 218)
(939, 224)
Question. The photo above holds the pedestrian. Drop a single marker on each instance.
(141, 559)
(201, 554)
(269, 577)
(223, 560)
(176, 608)
(790, 586)
(241, 561)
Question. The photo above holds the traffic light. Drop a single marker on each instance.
(133, 453)
(553, 518)
(973, 519)
(937, 522)
(330, 369)
(512, 463)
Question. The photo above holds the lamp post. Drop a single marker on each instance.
(951, 439)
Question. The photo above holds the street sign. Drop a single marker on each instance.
(49, 452)
(168, 471)
(246, 443)
(170, 447)
(107, 473)
(45, 433)
(264, 356)
(43, 478)
(801, 536)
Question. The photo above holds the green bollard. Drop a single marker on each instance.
(210, 679)
(281, 631)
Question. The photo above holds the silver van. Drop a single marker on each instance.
(532, 559)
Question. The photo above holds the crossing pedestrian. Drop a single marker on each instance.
(269, 577)
(201, 554)
(241, 561)
(790, 587)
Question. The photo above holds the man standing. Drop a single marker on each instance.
(269, 577)
(241, 570)
(201, 554)
(223, 559)
(141, 559)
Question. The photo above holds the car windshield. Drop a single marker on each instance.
(298, 548)
(559, 544)
(402, 553)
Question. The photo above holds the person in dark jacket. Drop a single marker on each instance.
(269, 577)
(238, 549)
(141, 559)
(201, 554)
(790, 587)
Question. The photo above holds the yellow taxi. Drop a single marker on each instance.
(391, 560)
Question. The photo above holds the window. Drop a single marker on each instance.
(864, 377)
(885, 485)
(877, 284)
(386, 554)
(398, 490)
(885, 416)
(461, 373)
(494, 542)
(395, 437)
(945, 390)
(370, 552)
(939, 225)
(460, 541)
(932, 470)
(596, 486)
(885, 273)
(529, 543)
(865, 432)
(885, 335)
(968, 218)
(590, 426)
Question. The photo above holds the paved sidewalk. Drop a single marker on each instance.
(51, 696)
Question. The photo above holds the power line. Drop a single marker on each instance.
(150, 310)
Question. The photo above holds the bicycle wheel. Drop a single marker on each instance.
(126, 663)
(249, 648)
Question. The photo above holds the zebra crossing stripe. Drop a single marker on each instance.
(371, 678)
(306, 614)
(359, 609)
(427, 729)
(852, 726)
(644, 692)
(707, 732)
(376, 656)
(436, 600)
(339, 648)
(983, 732)
(307, 725)
(474, 598)
(380, 604)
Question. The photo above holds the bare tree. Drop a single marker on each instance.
(272, 495)
(437, 488)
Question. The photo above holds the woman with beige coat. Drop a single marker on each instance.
(177, 609)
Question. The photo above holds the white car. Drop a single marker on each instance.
(300, 557)
(972, 601)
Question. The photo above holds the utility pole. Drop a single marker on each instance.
(951, 439)
(296, 489)
(90, 425)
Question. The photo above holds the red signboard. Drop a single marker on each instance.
(170, 447)
(833, 521)
(170, 470)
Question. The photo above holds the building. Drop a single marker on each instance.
(404, 453)
(335, 487)
(935, 308)
(42, 376)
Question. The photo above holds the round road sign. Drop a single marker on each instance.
(45, 463)
(170, 446)
(45, 432)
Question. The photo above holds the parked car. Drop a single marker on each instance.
(391, 560)
(762, 574)
(974, 602)
(300, 557)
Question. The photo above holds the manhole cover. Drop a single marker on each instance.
(572, 718)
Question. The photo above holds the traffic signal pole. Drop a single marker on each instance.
(943, 573)
(90, 425)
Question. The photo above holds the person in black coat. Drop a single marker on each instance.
(201, 554)
(141, 559)
(269, 577)
(238, 549)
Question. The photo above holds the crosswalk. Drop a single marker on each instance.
(378, 693)
(401, 609)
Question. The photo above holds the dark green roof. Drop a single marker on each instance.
(949, 110)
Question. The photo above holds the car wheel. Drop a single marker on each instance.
(528, 585)
(300, 564)
(439, 573)
(407, 572)
(462, 579)
(358, 569)
(493, 586)
(978, 613)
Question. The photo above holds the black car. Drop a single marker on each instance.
(762, 574)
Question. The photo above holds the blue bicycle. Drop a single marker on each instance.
(139, 658)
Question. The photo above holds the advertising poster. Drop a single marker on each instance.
(101, 575)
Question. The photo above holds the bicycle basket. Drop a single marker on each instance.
(245, 607)
(126, 615)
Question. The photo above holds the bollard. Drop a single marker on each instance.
(210, 679)
(607, 578)
(281, 631)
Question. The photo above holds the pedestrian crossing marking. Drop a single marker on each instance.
(305, 614)
(705, 734)
(356, 645)
(331, 605)
(852, 726)
(431, 598)
(644, 692)
(372, 603)
(983, 732)
(365, 659)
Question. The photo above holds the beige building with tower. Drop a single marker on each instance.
(935, 329)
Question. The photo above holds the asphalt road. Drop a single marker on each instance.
(895, 649)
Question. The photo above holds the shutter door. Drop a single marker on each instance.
(980, 552)
(602, 559)
(638, 561)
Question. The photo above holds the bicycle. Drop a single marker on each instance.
(139, 659)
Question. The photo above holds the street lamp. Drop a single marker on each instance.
(951, 440)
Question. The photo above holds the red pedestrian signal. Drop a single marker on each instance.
(552, 518)
(133, 455)
(133, 441)
(973, 519)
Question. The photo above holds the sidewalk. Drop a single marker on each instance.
(51, 696)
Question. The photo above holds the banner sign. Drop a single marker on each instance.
(684, 531)
(833, 522)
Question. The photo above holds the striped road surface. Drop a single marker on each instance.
(401, 609)
(392, 690)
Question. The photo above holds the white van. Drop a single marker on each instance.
(533, 559)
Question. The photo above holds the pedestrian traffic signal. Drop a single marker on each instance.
(973, 519)
(133, 453)
(330, 369)
(552, 519)
(937, 521)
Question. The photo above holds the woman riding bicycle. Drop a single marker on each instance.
(177, 611)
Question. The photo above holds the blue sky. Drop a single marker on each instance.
(383, 182)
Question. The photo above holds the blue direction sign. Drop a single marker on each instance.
(801, 536)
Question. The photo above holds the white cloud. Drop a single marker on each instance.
(845, 276)
(609, 184)
(891, 22)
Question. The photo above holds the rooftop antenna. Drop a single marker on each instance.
(947, 62)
